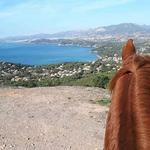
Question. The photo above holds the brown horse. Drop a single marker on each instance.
(128, 122)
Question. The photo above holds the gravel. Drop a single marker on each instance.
(52, 118)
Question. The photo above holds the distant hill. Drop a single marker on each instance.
(112, 31)
(125, 28)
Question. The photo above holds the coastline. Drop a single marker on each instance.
(96, 73)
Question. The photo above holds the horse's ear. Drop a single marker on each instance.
(128, 49)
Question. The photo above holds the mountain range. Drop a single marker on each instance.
(112, 31)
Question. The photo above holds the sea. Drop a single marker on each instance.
(42, 54)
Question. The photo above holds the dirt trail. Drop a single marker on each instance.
(51, 118)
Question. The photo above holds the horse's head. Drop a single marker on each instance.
(131, 62)
(129, 115)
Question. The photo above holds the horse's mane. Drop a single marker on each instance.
(128, 119)
(131, 65)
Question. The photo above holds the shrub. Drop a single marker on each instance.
(29, 84)
(101, 81)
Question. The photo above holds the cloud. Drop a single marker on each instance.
(5, 14)
(101, 4)
(6, 4)
(27, 8)
(54, 7)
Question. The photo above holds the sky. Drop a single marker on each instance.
(26, 17)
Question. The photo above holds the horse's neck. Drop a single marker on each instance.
(128, 124)
(142, 108)
(120, 132)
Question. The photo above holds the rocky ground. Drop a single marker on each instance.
(52, 118)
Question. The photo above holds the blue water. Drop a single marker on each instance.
(38, 54)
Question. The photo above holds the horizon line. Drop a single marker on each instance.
(88, 28)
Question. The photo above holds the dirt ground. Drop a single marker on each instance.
(52, 118)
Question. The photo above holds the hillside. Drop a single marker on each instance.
(119, 31)
(112, 30)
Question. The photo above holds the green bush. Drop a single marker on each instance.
(25, 83)
(94, 80)
(49, 82)
(101, 81)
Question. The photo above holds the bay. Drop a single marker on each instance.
(40, 54)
